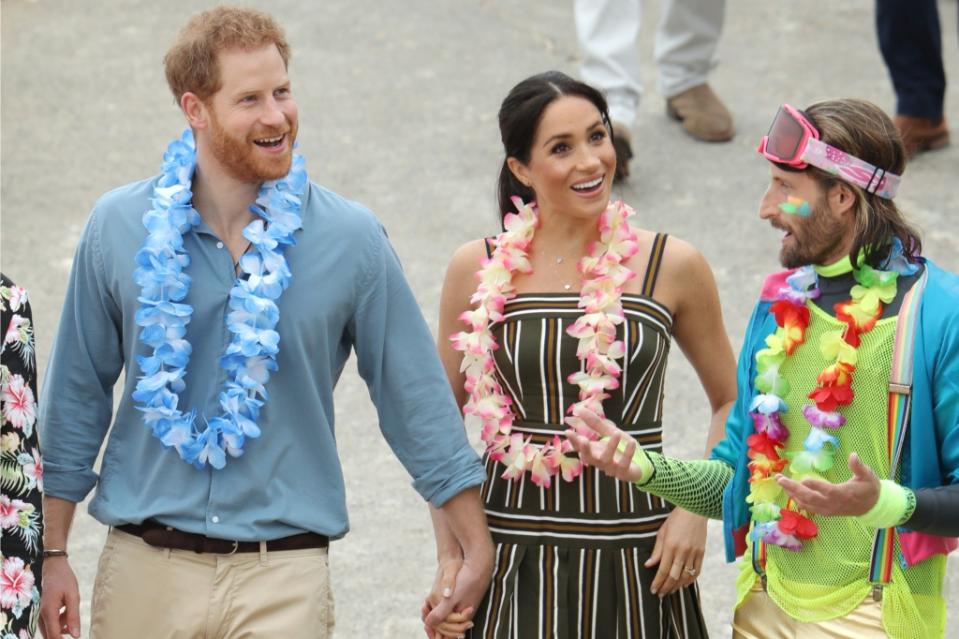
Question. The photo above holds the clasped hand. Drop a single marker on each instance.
(457, 590)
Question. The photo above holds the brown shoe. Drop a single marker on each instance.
(921, 134)
(703, 115)
(622, 142)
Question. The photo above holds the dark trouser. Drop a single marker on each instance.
(911, 45)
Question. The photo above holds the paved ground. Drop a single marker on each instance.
(398, 104)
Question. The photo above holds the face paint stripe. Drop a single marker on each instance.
(796, 206)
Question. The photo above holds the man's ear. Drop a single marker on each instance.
(841, 198)
(195, 110)
(519, 171)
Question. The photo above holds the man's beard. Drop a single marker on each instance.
(814, 240)
(240, 157)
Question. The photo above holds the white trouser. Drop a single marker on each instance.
(685, 52)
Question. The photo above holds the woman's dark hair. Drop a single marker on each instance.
(862, 129)
(519, 118)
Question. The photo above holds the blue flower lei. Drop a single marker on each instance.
(251, 353)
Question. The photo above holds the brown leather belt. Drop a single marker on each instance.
(160, 536)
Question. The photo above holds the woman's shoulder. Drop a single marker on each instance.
(469, 256)
(681, 270)
(461, 274)
(675, 255)
(681, 254)
(464, 263)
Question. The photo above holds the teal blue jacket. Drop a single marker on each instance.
(931, 454)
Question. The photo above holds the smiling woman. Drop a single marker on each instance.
(560, 323)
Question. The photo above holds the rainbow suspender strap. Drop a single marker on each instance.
(900, 388)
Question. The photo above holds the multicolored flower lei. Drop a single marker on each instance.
(783, 526)
(604, 277)
(251, 353)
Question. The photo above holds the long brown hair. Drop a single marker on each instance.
(862, 129)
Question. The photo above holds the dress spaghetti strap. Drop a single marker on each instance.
(655, 260)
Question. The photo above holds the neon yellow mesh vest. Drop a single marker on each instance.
(830, 576)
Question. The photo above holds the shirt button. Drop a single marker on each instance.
(215, 519)
(219, 244)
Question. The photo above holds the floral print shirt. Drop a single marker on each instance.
(21, 472)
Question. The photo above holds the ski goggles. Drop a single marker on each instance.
(792, 140)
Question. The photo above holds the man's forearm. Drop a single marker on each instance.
(465, 517)
(57, 518)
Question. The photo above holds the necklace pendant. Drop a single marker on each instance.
(559, 260)
(567, 286)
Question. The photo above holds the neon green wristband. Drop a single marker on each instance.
(891, 507)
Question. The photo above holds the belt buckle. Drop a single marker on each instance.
(236, 545)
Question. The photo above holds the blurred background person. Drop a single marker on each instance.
(685, 53)
(911, 43)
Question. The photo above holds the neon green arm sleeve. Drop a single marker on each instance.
(696, 486)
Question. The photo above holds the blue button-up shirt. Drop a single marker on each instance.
(348, 292)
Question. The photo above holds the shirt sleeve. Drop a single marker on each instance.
(398, 360)
(936, 511)
(87, 357)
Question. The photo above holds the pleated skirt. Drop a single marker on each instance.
(569, 563)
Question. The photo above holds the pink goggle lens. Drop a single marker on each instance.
(785, 137)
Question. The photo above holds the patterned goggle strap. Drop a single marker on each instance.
(851, 169)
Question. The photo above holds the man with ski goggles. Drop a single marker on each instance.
(838, 479)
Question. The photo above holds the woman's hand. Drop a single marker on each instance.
(455, 625)
(613, 456)
(680, 546)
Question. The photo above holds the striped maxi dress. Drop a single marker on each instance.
(569, 559)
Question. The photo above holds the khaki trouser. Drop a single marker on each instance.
(760, 618)
(144, 592)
